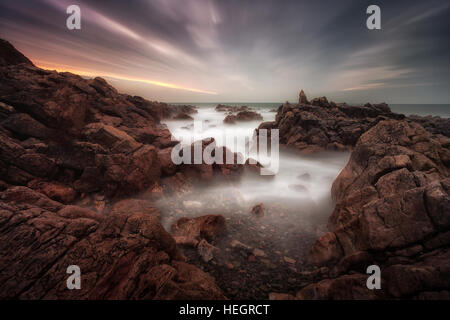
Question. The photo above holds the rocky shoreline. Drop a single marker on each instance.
(84, 171)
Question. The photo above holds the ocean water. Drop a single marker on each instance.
(441, 110)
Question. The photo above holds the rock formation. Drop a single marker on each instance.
(63, 140)
(242, 116)
(392, 210)
(325, 126)
(302, 99)
(321, 125)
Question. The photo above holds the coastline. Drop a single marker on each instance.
(85, 169)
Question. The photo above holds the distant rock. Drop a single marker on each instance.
(302, 99)
(178, 112)
(242, 116)
(232, 109)
(433, 124)
(182, 116)
(65, 139)
(258, 210)
(130, 253)
(321, 125)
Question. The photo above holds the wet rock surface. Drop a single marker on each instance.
(242, 116)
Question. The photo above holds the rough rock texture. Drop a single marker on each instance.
(125, 254)
(205, 227)
(233, 109)
(80, 134)
(68, 140)
(434, 124)
(178, 112)
(242, 116)
(320, 125)
(393, 210)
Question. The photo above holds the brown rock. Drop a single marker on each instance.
(258, 210)
(206, 227)
(54, 190)
(302, 98)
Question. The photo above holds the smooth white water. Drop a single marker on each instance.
(300, 178)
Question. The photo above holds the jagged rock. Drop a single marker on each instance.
(182, 116)
(61, 134)
(258, 210)
(393, 194)
(242, 116)
(205, 227)
(320, 125)
(55, 190)
(178, 112)
(302, 98)
(232, 109)
(10, 56)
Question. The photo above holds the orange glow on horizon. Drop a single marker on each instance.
(64, 68)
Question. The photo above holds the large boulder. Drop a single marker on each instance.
(393, 206)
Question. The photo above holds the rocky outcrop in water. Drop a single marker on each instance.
(322, 125)
(232, 109)
(179, 112)
(242, 116)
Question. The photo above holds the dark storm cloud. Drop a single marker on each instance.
(244, 50)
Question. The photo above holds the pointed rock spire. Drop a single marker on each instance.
(302, 97)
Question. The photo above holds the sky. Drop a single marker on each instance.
(243, 50)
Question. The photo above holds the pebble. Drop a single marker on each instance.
(259, 253)
(289, 260)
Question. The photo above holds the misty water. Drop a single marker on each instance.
(301, 185)
(297, 203)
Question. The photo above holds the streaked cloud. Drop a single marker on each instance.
(243, 50)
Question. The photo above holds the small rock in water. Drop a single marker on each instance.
(229, 266)
(239, 245)
(258, 210)
(206, 250)
(289, 260)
